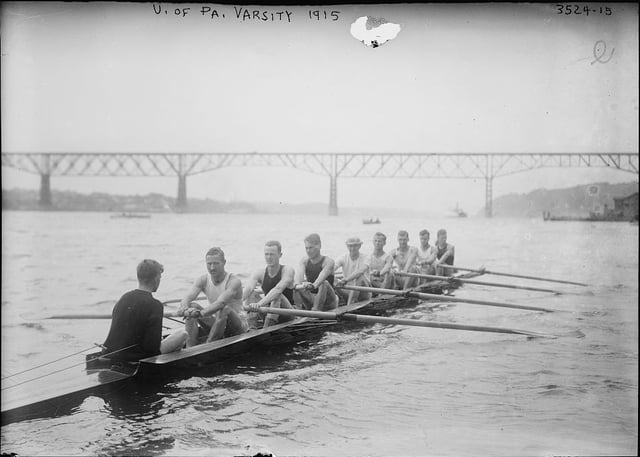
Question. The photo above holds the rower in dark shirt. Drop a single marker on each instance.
(445, 254)
(268, 282)
(314, 278)
(136, 325)
(312, 271)
(277, 287)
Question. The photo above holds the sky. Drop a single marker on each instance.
(137, 77)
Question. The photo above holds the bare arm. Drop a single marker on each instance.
(196, 288)
(232, 292)
(411, 260)
(431, 257)
(448, 253)
(254, 280)
(327, 269)
(339, 264)
(299, 276)
(286, 281)
(387, 265)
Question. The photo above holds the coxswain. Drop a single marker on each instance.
(136, 324)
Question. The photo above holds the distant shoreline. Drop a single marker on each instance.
(570, 202)
(28, 200)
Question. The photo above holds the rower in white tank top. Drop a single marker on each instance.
(425, 259)
(223, 316)
(213, 291)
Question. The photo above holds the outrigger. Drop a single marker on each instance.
(98, 375)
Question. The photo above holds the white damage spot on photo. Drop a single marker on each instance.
(374, 32)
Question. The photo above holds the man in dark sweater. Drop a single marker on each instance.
(136, 325)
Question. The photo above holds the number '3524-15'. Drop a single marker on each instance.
(583, 9)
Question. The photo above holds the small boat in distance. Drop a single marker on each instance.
(125, 214)
(457, 212)
(371, 221)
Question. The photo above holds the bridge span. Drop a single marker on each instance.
(487, 166)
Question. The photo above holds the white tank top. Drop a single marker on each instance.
(378, 263)
(213, 291)
(423, 254)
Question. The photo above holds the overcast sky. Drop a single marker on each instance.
(118, 77)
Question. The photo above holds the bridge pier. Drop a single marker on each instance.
(181, 202)
(45, 191)
(333, 195)
(488, 198)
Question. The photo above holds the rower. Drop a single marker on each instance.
(377, 261)
(402, 257)
(223, 317)
(355, 271)
(314, 278)
(426, 255)
(445, 254)
(276, 281)
(136, 325)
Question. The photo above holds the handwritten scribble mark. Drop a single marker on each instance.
(599, 50)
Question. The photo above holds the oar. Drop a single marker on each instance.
(511, 275)
(409, 293)
(178, 300)
(169, 316)
(473, 281)
(109, 316)
(391, 320)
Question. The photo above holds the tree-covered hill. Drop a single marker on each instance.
(572, 201)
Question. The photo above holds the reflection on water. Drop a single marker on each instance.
(347, 390)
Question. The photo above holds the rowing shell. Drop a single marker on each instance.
(60, 394)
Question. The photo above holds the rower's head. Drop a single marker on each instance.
(312, 245)
(379, 240)
(442, 236)
(215, 261)
(424, 237)
(149, 272)
(353, 245)
(272, 252)
(403, 238)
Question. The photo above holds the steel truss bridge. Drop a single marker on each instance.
(487, 166)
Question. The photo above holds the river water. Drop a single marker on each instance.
(361, 390)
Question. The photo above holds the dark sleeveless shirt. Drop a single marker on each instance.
(312, 271)
(441, 252)
(269, 283)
